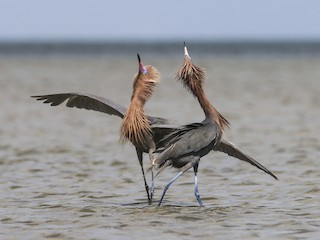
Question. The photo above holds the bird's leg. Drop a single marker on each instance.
(196, 192)
(184, 169)
(152, 156)
(167, 187)
(140, 157)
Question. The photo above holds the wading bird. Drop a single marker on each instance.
(184, 147)
(143, 131)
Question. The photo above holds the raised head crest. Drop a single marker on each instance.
(191, 76)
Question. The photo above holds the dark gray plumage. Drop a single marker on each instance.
(195, 139)
(184, 146)
(233, 151)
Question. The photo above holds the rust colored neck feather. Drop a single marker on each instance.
(192, 78)
(144, 85)
(135, 125)
(210, 111)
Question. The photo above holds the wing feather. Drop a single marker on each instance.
(86, 101)
(188, 140)
(92, 102)
(233, 151)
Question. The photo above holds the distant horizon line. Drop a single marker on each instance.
(160, 40)
(248, 47)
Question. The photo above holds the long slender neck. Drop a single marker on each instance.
(192, 77)
(135, 125)
(137, 102)
(135, 118)
(136, 111)
(139, 97)
(210, 111)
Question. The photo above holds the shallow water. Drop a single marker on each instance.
(64, 174)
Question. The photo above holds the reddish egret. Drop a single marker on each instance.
(189, 74)
(184, 147)
(143, 131)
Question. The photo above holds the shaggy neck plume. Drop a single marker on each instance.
(192, 78)
(135, 125)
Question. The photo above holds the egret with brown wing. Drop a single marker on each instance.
(142, 130)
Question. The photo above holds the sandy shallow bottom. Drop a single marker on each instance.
(64, 175)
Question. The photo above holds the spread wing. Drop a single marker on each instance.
(232, 150)
(86, 101)
(91, 102)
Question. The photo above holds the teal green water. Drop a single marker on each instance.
(64, 174)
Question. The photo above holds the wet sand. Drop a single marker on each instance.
(64, 174)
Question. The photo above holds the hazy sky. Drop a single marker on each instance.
(162, 19)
